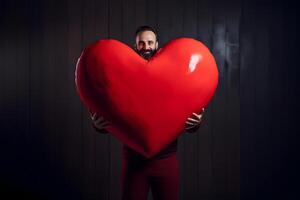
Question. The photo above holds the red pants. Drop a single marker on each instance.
(162, 175)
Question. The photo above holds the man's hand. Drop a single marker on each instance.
(99, 123)
(192, 123)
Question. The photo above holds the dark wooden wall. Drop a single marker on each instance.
(246, 145)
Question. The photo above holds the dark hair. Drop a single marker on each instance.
(146, 28)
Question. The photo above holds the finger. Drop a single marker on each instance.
(189, 127)
(96, 116)
(193, 120)
(93, 116)
(198, 116)
(101, 125)
(99, 119)
(202, 111)
(104, 123)
(189, 123)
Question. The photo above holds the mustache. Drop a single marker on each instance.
(147, 51)
(146, 54)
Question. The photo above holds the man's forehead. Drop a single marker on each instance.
(146, 36)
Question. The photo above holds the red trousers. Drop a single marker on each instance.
(140, 174)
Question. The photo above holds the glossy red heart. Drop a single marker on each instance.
(146, 102)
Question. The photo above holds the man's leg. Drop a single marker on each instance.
(164, 178)
(134, 181)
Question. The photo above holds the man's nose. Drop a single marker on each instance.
(146, 47)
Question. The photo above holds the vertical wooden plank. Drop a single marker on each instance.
(8, 85)
(65, 91)
(163, 21)
(291, 48)
(289, 137)
(37, 144)
(262, 101)
(176, 19)
(129, 25)
(247, 100)
(277, 129)
(219, 105)
(140, 12)
(233, 97)
(205, 159)
(26, 148)
(74, 109)
(50, 137)
(152, 13)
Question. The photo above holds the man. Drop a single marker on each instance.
(160, 172)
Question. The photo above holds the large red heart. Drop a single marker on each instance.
(146, 102)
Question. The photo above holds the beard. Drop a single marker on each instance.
(147, 54)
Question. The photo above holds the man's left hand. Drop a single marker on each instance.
(194, 121)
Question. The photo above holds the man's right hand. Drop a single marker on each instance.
(99, 123)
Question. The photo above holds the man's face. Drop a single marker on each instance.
(146, 44)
